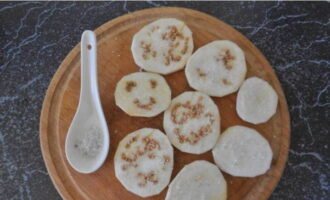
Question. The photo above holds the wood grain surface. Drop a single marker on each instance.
(114, 61)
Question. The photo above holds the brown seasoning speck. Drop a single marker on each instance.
(166, 159)
(195, 137)
(227, 58)
(154, 28)
(153, 83)
(226, 82)
(154, 53)
(194, 111)
(128, 159)
(176, 131)
(200, 73)
(130, 85)
(151, 156)
(172, 34)
(185, 47)
(124, 167)
(151, 144)
(167, 60)
(174, 45)
(132, 140)
(147, 106)
(150, 177)
(146, 50)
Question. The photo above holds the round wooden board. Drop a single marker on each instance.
(114, 61)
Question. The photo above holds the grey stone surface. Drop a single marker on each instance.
(36, 36)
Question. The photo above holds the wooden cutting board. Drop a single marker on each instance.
(114, 61)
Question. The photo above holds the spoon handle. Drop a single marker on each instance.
(89, 85)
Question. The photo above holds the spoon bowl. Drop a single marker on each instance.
(87, 141)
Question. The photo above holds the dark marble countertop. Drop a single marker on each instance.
(36, 36)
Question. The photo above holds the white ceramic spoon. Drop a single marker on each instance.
(89, 121)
